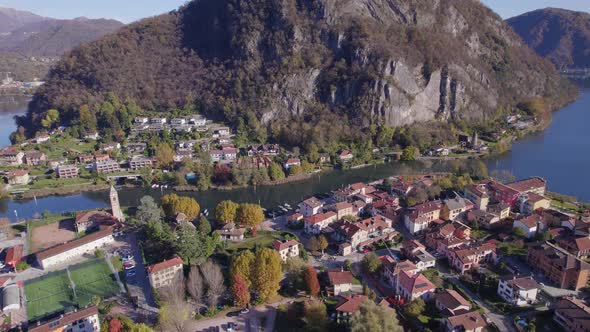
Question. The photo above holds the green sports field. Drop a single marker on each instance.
(53, 292)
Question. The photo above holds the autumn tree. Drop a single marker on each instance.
(213, 278)
(164, 155)
(242, 265)
(295, 269)
(225, 211)
(250, 215)
(371, 263)
(311, 281)
(276, 172)
(174, 204)
(175, 313)
(375, 318)
(115, 325)
(315, 316)
(240, 291)
(195, 285)
(322, 243)
(314, 244)
(267, 273)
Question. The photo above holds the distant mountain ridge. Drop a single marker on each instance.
(33, 35)
(560, 35)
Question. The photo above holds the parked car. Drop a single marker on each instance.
(244, 311)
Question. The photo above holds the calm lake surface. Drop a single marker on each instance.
(561, 154)
(9, 108)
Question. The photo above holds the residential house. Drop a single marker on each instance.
(106, 167)
(287, 249)
(559, 266)
(453, 208)
(478, 194)
(345, 156)
(85, 158)
(349, 232)
(310, 206)
(392, 269)
(111, 146)
(12, 157)
(499, 209)
(482, 218)
(518, 291)
(342, 209)
(464, 258)
(572, 314)
(80, 320)
(18, 177)
(101, 157)
(413, 286)
(447, 237)
(42, 138)
(66, 252)
(292, 162)
(229, 232)
(348, 306)
(197, 120)
(471, 321)
(451, 303)
(158, 121)
(530, 202)
(165, 273)
(221, 132)
(178, 122)
(578, 246)
(141, 120)
(35, 158)
(68, 171)
(182, 155)
(419, 217)
(530, 225)
(339, 282)
(139, 162)
(423, 260)
(92, 135)
(89, 220)
(267, 150)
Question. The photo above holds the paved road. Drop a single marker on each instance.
(140, 284)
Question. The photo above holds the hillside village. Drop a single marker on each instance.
(493, 256)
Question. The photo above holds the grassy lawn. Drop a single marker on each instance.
(57, 183)
(479, 233)
(52, 293)
(509, 248)
(355, 281)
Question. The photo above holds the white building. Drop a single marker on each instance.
(530, 225)
(141, 120)
(165, 273)
(178, 121)
(286, 249)
(518, 291)
(158, 120)
(84, 320)
(318, 222)
(340, 282)
(65, 253)
(310, 206)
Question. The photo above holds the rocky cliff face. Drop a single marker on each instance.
(362, 62)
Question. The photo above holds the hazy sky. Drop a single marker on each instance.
(131, 10)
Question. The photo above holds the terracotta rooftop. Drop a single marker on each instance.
(313, 202)
(61, 248)
(95, 216)
(317, 218)
(451, 300)
(351, 304)
(165, 265)
(58, 324)
(525, 283)
(576, 310)
(14, 254)
(415, 283)
(532, 220)
(280, 246)
(469, 321)
(340, 277)
(528, 184)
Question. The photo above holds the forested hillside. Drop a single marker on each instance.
(302, 71)
(560, 35)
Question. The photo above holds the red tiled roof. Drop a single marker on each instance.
(450, 299)
(428, 207)
(317, 218)
(293, 161)
(531, 221)
(164, 265)
(468, 321)
(357, 186)
(278, 245)
(342, 206)
(14, 255)
(67, 319)
(17, 172)
(528, 184)
(67, 246)
(340, 277)
(415, 283)
(351, 303)
(95, 216)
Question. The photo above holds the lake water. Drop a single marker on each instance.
(9, 108)
(561, 154)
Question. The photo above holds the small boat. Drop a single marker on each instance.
(287, 205)
(284, 210)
